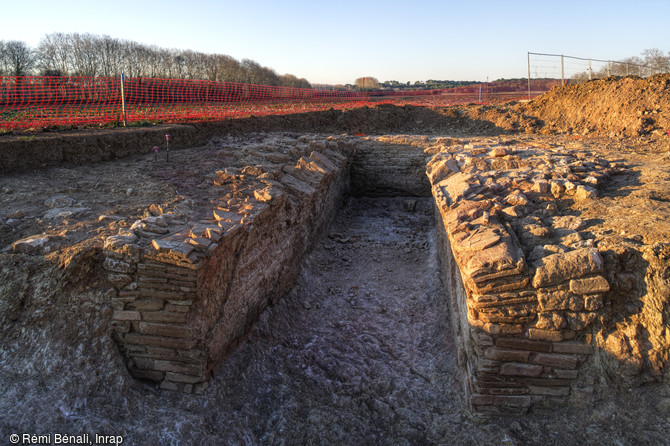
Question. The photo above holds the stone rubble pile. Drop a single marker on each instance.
(532, 282)
(189, 282)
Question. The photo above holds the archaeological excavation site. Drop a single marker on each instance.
(472, 274)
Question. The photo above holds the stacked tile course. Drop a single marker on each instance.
(524, 283)
(189, 282)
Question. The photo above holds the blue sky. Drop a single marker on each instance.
(336, 42)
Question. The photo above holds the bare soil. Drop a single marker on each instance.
(360, 351)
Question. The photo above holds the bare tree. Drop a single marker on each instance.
(17, 57)
(3, 64)
(656, 60)
(91, 55)
(54, 54)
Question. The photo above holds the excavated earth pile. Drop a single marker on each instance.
(301, 288)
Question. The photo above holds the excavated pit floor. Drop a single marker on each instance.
(359, 352)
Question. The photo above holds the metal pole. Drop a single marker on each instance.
(167, 147)
(562, 71)
(123, 99)
(529, 75)
(590, 74)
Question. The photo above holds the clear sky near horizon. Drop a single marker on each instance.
(336, 42)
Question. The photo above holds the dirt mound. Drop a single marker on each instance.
(615, 106)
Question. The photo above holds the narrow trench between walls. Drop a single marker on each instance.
(185, 300)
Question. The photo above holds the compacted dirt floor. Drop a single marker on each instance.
(359, 352)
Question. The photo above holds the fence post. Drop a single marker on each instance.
(562, 71)
(590, 73)
(529, 75)
(609, 68)
(123, 98)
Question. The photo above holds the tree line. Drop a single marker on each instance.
(653, 61)
(90, 55)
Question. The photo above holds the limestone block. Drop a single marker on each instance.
(556, 300)
(440, 167)
(227, 216)
(541, 186)
(557, 188)
(585, 193)
(118, 266)
(64, 212)
(579, 321)
(119, 280)
(550, 321)
(589, 285)
(458, 186)
(59, 201)
(35, 244)
(500, 151)
(324, 161)
(297, 186)
(558, 268)
(545, 335)
(157, 221)
(593, 302)
(517, 199)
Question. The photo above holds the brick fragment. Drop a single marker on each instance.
(523, 344)
(566, 374)
(181, 378)
(151, 375)
(173, 331)
(561, 361)
(163, 316)
(512, 400)
(549, 391)
(148, 304)
(519, 369)
(177, 344)
(168, 366)
(481, 400)
(573, 347)
(121, 315)
(498, 354)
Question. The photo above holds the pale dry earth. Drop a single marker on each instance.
(360, 351)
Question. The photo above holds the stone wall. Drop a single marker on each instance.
(189, 282)
(390, 166)
(535, 292)
(524, 284)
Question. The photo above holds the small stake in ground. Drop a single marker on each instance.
(155, 154)
(167, 145)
